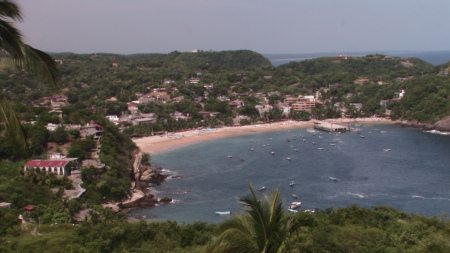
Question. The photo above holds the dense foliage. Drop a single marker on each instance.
(89, 82)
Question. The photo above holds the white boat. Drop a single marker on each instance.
(288, 158)
(273, 153)
(251, 149)
(229, 156)
(332, 179)
(294, 196)
(223, 212)
(386, 149)
(295, 205)
(292, 183)
(262, 188)
(292, 210)
(296, 149)
(320, 148)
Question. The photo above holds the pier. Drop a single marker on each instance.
(330, 127)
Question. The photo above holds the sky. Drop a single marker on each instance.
(264, 26)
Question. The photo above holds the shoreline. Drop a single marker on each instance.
(170, 141)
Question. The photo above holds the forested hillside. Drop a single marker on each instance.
(102, 100)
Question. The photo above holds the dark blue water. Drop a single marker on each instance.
(414, 176)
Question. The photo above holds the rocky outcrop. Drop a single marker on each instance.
(165, 200)
(146, 200)
(443, 125)
(152, 175)
(141, 193)
(415, 125)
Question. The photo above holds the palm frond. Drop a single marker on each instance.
(41, 64)
(11, 43)
(10, 10)
(14, 129)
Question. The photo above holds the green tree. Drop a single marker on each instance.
(264, 229)
(17, 53)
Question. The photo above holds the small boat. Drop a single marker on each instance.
(273, 153)
(332, 179)
(386, 149)
(332, 144)
(292, 210)
(361, 136)
(320, 148)
(292, 183)
(223, 212)
(251, 149)
(294, 196)
(229, 156)
(296, 149)
(288, 158)
(295, 205)
(262, 188)
(242, 159)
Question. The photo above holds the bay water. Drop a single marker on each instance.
(374, 165)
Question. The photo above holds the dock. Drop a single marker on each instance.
(330, 127)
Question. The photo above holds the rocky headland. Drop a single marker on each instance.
(442, 125)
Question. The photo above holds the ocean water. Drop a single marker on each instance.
(403, 168)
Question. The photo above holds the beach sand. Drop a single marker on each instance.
(170, 141)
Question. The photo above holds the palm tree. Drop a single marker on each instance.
(14, 51)
(264, 229)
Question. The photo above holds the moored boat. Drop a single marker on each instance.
(223, 212)
(295, 205)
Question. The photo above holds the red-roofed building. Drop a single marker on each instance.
(59, 167)
(29, 208)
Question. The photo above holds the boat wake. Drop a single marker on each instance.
(344, 194)
(437, 132)
(433, 198)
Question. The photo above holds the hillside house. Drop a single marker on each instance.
(132, 108)
(58, 166)
(194, 80)
(112, 99)
(303, 105)
(145, 99)
(93, 129)
(205, 114)
(361, 81)
(177, 99)
(273, 93)
(236, 103)
(169, 81)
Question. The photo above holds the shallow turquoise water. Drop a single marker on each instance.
(414, 176)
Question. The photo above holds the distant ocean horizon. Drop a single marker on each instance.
(434, 57)
(403, 168)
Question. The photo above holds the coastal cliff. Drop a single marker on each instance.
(442, 125)
(144, 176)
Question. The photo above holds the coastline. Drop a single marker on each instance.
(171, 141)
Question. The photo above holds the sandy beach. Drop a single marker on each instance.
(170, 141)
